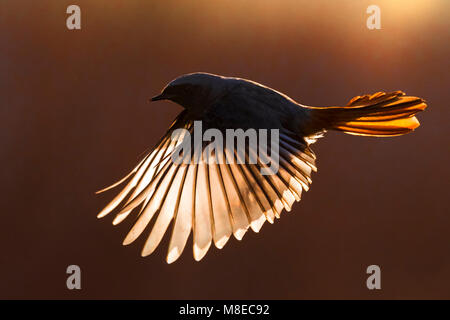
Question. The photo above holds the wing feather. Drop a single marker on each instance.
(221, 212)
(202, 215)
(159, 190)
(239, 218)
(184, 215)
(166, 212)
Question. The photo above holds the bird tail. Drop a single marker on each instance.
(379, 115)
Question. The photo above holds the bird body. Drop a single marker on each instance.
(236, 102)
(215, 200)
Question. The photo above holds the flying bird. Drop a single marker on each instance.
(217, 200)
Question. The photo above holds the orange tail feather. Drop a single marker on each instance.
(380, 114)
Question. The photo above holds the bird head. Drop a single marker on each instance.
(193, 91)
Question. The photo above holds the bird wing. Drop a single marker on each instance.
(213, 199)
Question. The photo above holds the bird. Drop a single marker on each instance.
(217, 200)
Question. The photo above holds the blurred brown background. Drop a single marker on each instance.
(75, 117)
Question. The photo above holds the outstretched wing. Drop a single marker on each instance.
(213, 199)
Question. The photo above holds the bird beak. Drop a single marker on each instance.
(158, 97)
